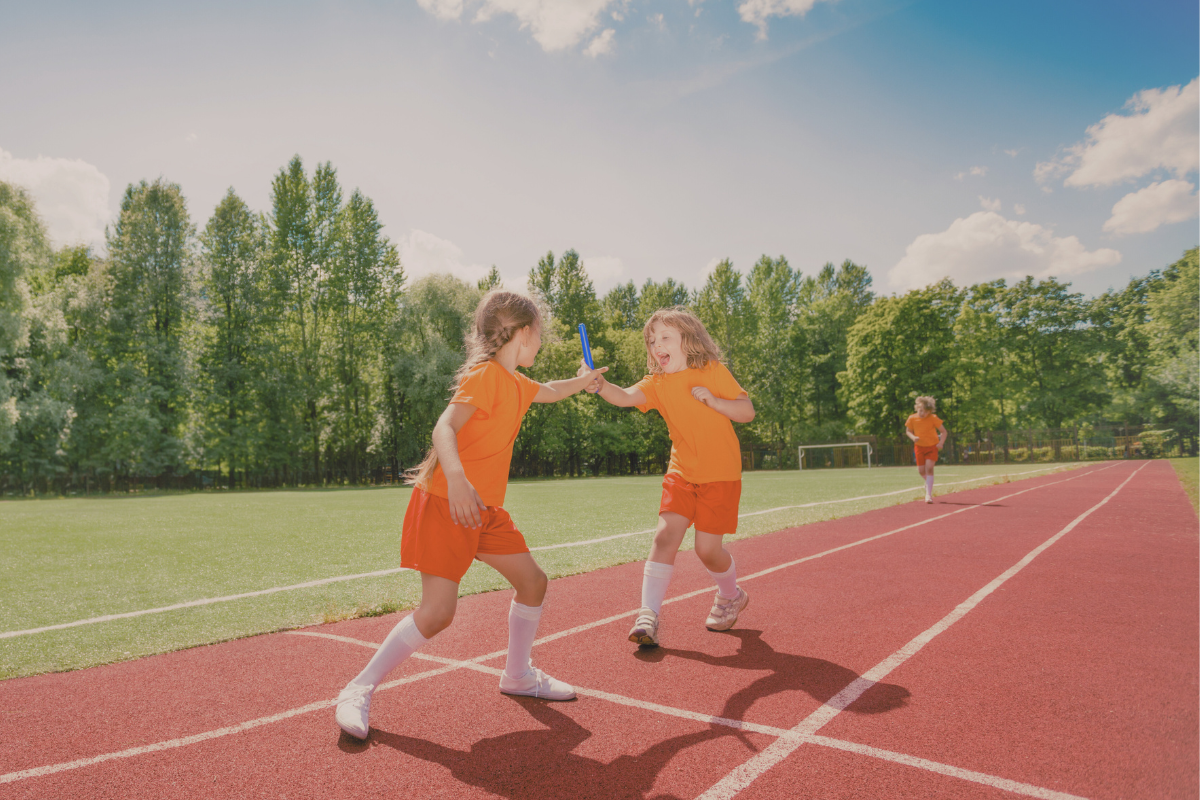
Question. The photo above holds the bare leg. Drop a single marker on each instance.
(712, 552)
(523, 573)
(439, 599)
(525, 611)
(671, 528)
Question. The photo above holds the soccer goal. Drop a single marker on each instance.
(846, 454)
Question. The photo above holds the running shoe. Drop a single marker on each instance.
(645, 629)
(725, 611)
(353, 707)
(536, 683)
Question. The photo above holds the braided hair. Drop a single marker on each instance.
(498, 318)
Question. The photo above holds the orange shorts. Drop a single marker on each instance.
(924, 454)
(711, 507)
(433, 544)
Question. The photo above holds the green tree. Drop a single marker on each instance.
(654, 296)
(1054, 351)
(620, 306)
(151, 250)
(303, 244)
(720, 305)
(23, 250)
(1173, 333)
(775, 362)
(829, 303)
(899, 348)
(234, 246)
(491, 281)
(363, 288)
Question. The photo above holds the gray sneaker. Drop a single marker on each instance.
(725, 612)
(645, 629)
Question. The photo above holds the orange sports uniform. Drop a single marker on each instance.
(704, 479)
(926, 431)
(431, 542)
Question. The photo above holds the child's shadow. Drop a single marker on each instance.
(539, 764)
(818, 678)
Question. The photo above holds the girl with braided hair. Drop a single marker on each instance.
(456, 515)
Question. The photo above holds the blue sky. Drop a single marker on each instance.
(972, 140)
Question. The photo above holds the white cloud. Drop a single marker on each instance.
(190, 138)
(1158, 204)
(1019, 209)
(757, 12)
(658, 21)
(1011, 153)
(1159, 132)
(988, 204)
(423, 253)
(601, 45)
(555, 24)
(986, 246)
(71, 196)
(978, 172)
(443, 9)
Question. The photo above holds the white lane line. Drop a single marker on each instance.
(747, 772)
(38, 771)
(1016, 787)
(800, 505)
(382, 572)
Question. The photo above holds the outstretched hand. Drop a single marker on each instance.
(703, 395)
(597, 377)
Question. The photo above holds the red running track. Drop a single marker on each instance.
(1038, 638)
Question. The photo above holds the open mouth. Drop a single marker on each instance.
(663, 359)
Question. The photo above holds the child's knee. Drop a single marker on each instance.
(535, 586)
(433, 618)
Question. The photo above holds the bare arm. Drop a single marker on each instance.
(465, 502)
(624, 398)
(553, 391)
(942, 434)
(739, 409)
(908, 432)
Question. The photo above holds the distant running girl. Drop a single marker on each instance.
(928, 435)
(698, 398)
(456, 514)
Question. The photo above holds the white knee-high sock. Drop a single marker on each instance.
(726, 581)
(402, 642)
(522, 628)
(655, 580)
(928, 484)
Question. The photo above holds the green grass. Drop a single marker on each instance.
(1188, 470)
(71, 559)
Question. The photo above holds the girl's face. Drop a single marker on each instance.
(666, 347)
(921, 410)
(529, 341)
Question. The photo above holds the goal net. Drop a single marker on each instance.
(835, 456)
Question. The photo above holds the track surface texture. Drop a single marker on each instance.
(1031, 639)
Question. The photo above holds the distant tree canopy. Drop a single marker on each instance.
(288, 348)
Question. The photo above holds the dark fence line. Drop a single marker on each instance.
(1006, 447)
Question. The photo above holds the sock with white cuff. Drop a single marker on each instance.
(522, 629)
(402, 642)
(655, 580)
(726, 581)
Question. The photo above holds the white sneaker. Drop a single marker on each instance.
(929, 499)
(645, 629)
(353, 706)
(725, 612)
(536, 683)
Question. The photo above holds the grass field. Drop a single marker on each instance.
(1188, 470)
(73, 559)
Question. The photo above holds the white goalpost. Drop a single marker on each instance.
(867, 445)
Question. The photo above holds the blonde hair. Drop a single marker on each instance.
(928, 403)
(498, 318)
(698, 346)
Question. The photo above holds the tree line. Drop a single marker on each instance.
(288, 348)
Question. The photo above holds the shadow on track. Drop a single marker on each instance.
(816, 677)
(539, 764)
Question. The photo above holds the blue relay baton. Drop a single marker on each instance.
(587, 348)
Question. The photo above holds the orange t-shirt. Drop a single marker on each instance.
(925, 429)
(485, 442)
(704, 447)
